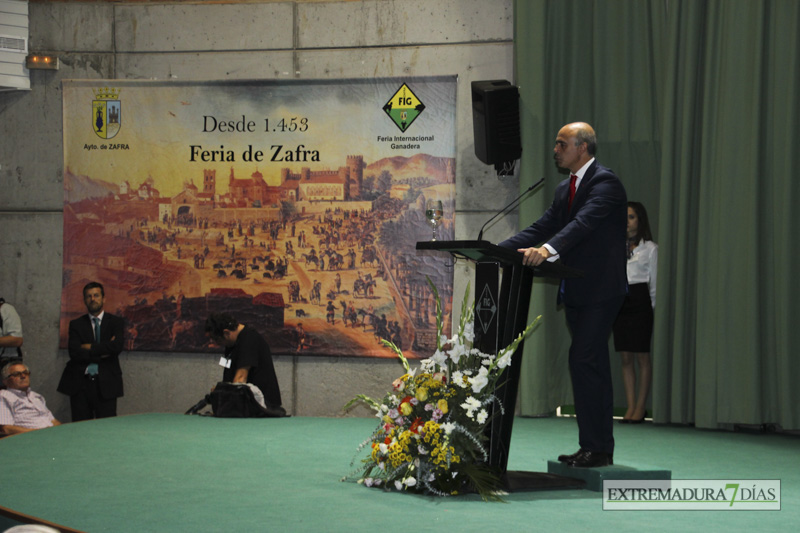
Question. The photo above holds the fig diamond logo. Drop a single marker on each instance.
(485, 309)
(404, 107)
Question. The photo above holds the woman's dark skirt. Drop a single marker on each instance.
(633, 328)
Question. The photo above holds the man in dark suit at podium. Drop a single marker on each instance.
(92, 378)
(585, 227)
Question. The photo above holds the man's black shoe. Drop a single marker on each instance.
(570, 457)
(587, 459)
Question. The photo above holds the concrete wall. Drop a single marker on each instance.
(191, 41)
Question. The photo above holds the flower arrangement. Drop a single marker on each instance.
(432, 432)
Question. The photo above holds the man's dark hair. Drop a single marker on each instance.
(643, 232)
(94, 285)
(217, 323)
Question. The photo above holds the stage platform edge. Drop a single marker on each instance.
(593, 477)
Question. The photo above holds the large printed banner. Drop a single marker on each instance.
(293, 205)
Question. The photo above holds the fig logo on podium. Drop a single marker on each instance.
(106, 112)
(404, 107)
(485, 309)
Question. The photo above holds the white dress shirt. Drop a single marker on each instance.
(643, 265)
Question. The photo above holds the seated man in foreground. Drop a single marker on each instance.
(21, 409)
(247, 356)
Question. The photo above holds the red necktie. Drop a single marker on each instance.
(572, 179)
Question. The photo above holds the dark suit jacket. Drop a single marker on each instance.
(590, 237)
(105, 354)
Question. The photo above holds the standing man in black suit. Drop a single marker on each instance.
(93, 378)
(585, 227)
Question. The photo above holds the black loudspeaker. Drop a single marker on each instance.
(495, 121)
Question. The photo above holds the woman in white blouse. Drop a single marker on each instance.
(633, 328)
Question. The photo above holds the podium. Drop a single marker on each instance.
(501, 313)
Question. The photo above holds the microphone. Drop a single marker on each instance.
(514, 203)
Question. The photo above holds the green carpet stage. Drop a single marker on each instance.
(171, 472)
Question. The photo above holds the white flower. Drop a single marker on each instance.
(458, 379)
(428, 366)
(368, 482)
(439, 357)
(383, 447)
(458, 351)
(409, 481)
(398, 485)
(480, 381)
(448, 427)
(469, 331)
(471, 404)
(504, 358)
(482, 415)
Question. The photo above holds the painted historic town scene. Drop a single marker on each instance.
(323, 263)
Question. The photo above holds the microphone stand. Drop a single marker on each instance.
(513, 203)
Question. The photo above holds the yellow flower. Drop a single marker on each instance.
(406, 408)
(422, 394)
(442, 406)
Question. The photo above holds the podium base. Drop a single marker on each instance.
(517, 481)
